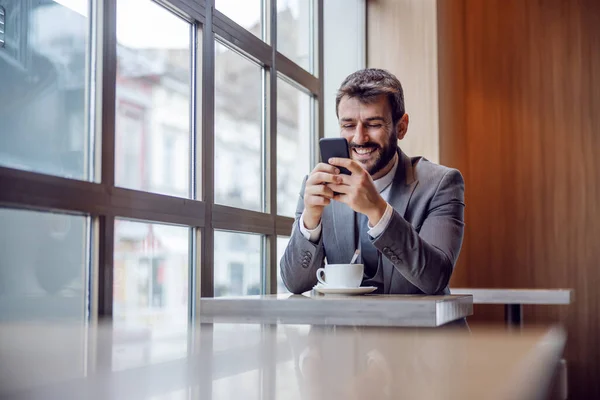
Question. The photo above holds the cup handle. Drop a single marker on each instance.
(320, 272)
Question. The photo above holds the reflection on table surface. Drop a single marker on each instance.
(237, 361)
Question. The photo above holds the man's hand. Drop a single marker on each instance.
(358, 191)
(317, 193)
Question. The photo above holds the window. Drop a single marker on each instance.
(282, 243)
(43, 266)
(169, 157)
(153, 91)
(246, 13)
(294, 133)
(238, 386)
(130, 123)
(44, 102)
(238, 264)
(151, 288)
(238, 130)
(114, 116)
(295, 32)
(174, 168)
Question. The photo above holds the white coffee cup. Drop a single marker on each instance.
(341, 275)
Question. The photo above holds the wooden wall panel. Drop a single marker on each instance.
(402, 38)
(520, 116)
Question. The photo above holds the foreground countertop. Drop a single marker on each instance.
(371, 310)
(245, 361)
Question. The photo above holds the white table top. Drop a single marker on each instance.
(517, 296)
(375, 310)
(241, 361)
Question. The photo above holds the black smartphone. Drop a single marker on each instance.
(334, 147)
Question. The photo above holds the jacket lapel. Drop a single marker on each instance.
(404, 184)
(401, 191)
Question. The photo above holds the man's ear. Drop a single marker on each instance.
(402, 127)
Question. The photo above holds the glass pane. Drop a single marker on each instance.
(43, 266)
(152, 145)
(238, 264)
(294, 130)
(238, 130)
(151, 292)
(245, 13)
(282, 243)
(44, 86)
(244, 385)
(294, 22)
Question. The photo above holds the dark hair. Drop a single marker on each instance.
(368, 84)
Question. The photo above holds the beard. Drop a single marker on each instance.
(384, 154)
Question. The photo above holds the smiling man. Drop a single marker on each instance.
(405, 214)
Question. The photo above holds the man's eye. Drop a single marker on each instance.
(374, 126)
(348, 126)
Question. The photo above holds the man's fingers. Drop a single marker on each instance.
(318, 200)
(316, 178)
(342, 198)
(323, 167)
(339, 188)
(347, 163)
(319, 190)
(345, 179)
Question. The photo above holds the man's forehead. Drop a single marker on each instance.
(354, 108)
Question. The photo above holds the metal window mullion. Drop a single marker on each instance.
(32, 190)
(283, 225)
(91, 98)
(190, 10)
(192, 276)
(268, 375)
(321, 69)
(297, 74)
(241, 38)
(193, 232)
(108, 70)
(91, 353)
(107, 79)
(208, 153)
(271, 248)
(135, 204)
(266, 138)
(105, 266)
(103, 350)
(193, 113)
(240, 220)
(313, 42)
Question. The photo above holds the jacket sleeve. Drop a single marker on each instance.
(427, 258)
(302, 258)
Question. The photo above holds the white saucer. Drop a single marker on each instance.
(347, 291)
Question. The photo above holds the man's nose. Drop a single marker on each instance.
(360, 134)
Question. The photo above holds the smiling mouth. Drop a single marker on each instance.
(363, 152)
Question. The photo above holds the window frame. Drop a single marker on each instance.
(103, 201)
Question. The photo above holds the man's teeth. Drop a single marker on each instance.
(363, 150)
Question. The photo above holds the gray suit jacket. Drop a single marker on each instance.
(420, 244)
